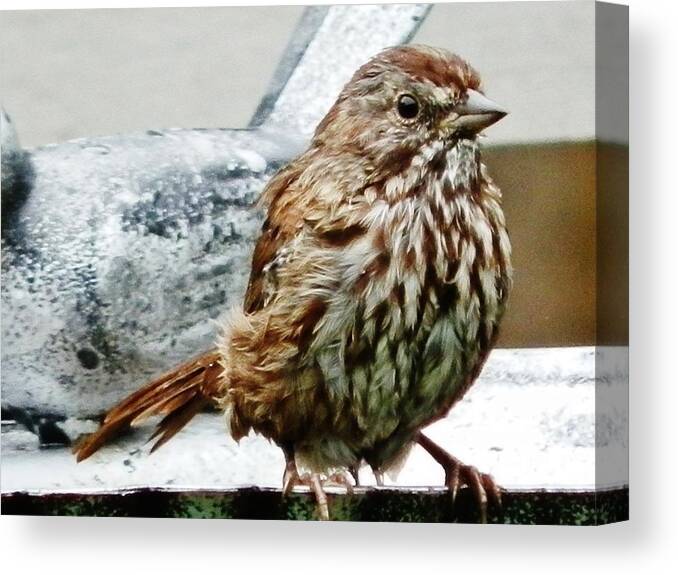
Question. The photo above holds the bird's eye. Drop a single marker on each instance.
(408, 107)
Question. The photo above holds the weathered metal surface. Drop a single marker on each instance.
(373, 504)
(120, 255)
(118, 251)
(345, 37)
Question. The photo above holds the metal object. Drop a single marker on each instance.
(118, 251)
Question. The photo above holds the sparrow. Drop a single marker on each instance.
(377, 286)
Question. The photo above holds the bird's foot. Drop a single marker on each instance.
(458, 474)
(482, 484)
(292, 479)
(316, 483)
(341, 479)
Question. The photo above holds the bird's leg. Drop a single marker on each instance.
(320, 497)
(291, 474)
(457, 474)
(354, 470)
(291, 478)
(378, 477)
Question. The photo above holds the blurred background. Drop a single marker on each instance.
(68, 74)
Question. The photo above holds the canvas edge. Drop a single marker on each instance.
(612, 252)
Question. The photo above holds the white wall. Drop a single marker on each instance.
(67, 74)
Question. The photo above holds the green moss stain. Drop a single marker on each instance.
(435, 506)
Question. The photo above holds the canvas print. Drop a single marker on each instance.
(361, 262)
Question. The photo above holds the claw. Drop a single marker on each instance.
(452, 481)
(491, 488)
(474, 481)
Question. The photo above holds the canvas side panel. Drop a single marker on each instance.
(612, 234)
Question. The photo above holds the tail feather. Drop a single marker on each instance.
(177, 419)
(158, 388)
(178, 395)
(162, 405)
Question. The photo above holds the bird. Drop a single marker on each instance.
(377, 287)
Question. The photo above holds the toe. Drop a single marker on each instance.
(452, 481)
(320, 497)
(491, 488)
(475, 482)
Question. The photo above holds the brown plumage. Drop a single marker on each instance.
(177, 395)
(377, 284)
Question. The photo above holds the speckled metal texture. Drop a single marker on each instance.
(121, 254)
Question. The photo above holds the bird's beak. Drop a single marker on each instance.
(476, 113)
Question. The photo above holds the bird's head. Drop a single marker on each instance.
(406, 99)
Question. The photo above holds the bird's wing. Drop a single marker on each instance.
(283, 225)
(295, 214)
